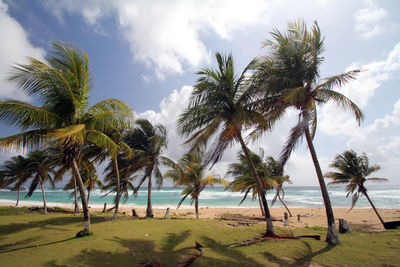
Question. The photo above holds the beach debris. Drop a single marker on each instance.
(343, 226)
(286, 219)
(105, 207)
(298, 217)
(240, 224)
(147, 235)
(134, 214)
(166, 216)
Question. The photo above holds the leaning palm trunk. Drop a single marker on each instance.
(283, 203)
(81, 187)
(76, 206)
(44, 198)
(19, 191)
(332, 235)
(261, 205)
(118, 188)
(149, 210)
(196, 206)
(270, 228)
(88, 195)
(373, 206)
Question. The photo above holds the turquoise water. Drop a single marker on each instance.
(383, 196)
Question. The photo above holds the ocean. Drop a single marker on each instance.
(383, 196)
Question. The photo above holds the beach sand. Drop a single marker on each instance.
(309, 217)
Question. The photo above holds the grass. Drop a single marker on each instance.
(35, 239)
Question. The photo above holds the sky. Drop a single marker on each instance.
(146, 53)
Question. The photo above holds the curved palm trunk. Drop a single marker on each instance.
(88, 195)
(149, 210)
(373, 206)
(118, 188)
(81, 187)
(261, 205)
(44, 197)
(283, 203)
(332, 236)
(196, 206)
(19, 191)
(76, 206)
(267, 214)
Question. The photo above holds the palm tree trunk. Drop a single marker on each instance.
(19, 191)
(149, 210)
(81, 187)
(283, 203)
(44, 198)
(261, 205)
(76, 206)
(267, 214)
(332, 236)
(118, 188)
(88, 195)
(196, 206)
(373, 206)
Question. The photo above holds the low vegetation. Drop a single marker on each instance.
(35, 239)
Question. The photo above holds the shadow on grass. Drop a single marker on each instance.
(304, 258)
(134, 252)
(61, 221)
(32, 246)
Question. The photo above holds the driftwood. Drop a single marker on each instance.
(253, 219)
(240, 224)
(343, 226)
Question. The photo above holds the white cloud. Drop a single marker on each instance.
(14, 48)
(335, 122)
(166, 35)
(368, 20)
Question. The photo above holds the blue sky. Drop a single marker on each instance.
(146, 53)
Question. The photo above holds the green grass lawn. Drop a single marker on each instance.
(33, 239)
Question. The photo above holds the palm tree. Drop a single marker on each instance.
(90, 177)
(189, 172)
(40, 167)
(353, 170)
(289, 77)
(62, 85)
(148, 143)
(244, 180)
(276, 171)
(14, 171)
(220, 106)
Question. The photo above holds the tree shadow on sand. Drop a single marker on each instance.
(304, 257)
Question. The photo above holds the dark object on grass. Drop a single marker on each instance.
(391, 225)
(190, 259)
(153, 262)
(83, 233)
(134, 214)
(343, 226)
(286, 220)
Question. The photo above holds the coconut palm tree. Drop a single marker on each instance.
(14, 172)
(62, 85)
(220, 107)
(353, 170)
(190, 172)
(148, 143)
(276, 174)
(41, 167)
(289, 78)
(244, 180)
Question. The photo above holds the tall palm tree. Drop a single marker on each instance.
(190, 172)
(220, 106)
(62, 85)
(14, 172)
(148, 143)
(353, 170)
(244, 180)
(40, 167)
(289, 77)
(276, 173)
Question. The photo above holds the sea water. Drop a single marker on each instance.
(383, 196)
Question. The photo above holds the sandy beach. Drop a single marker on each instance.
(309, 217)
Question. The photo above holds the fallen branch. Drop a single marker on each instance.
(190, 259)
